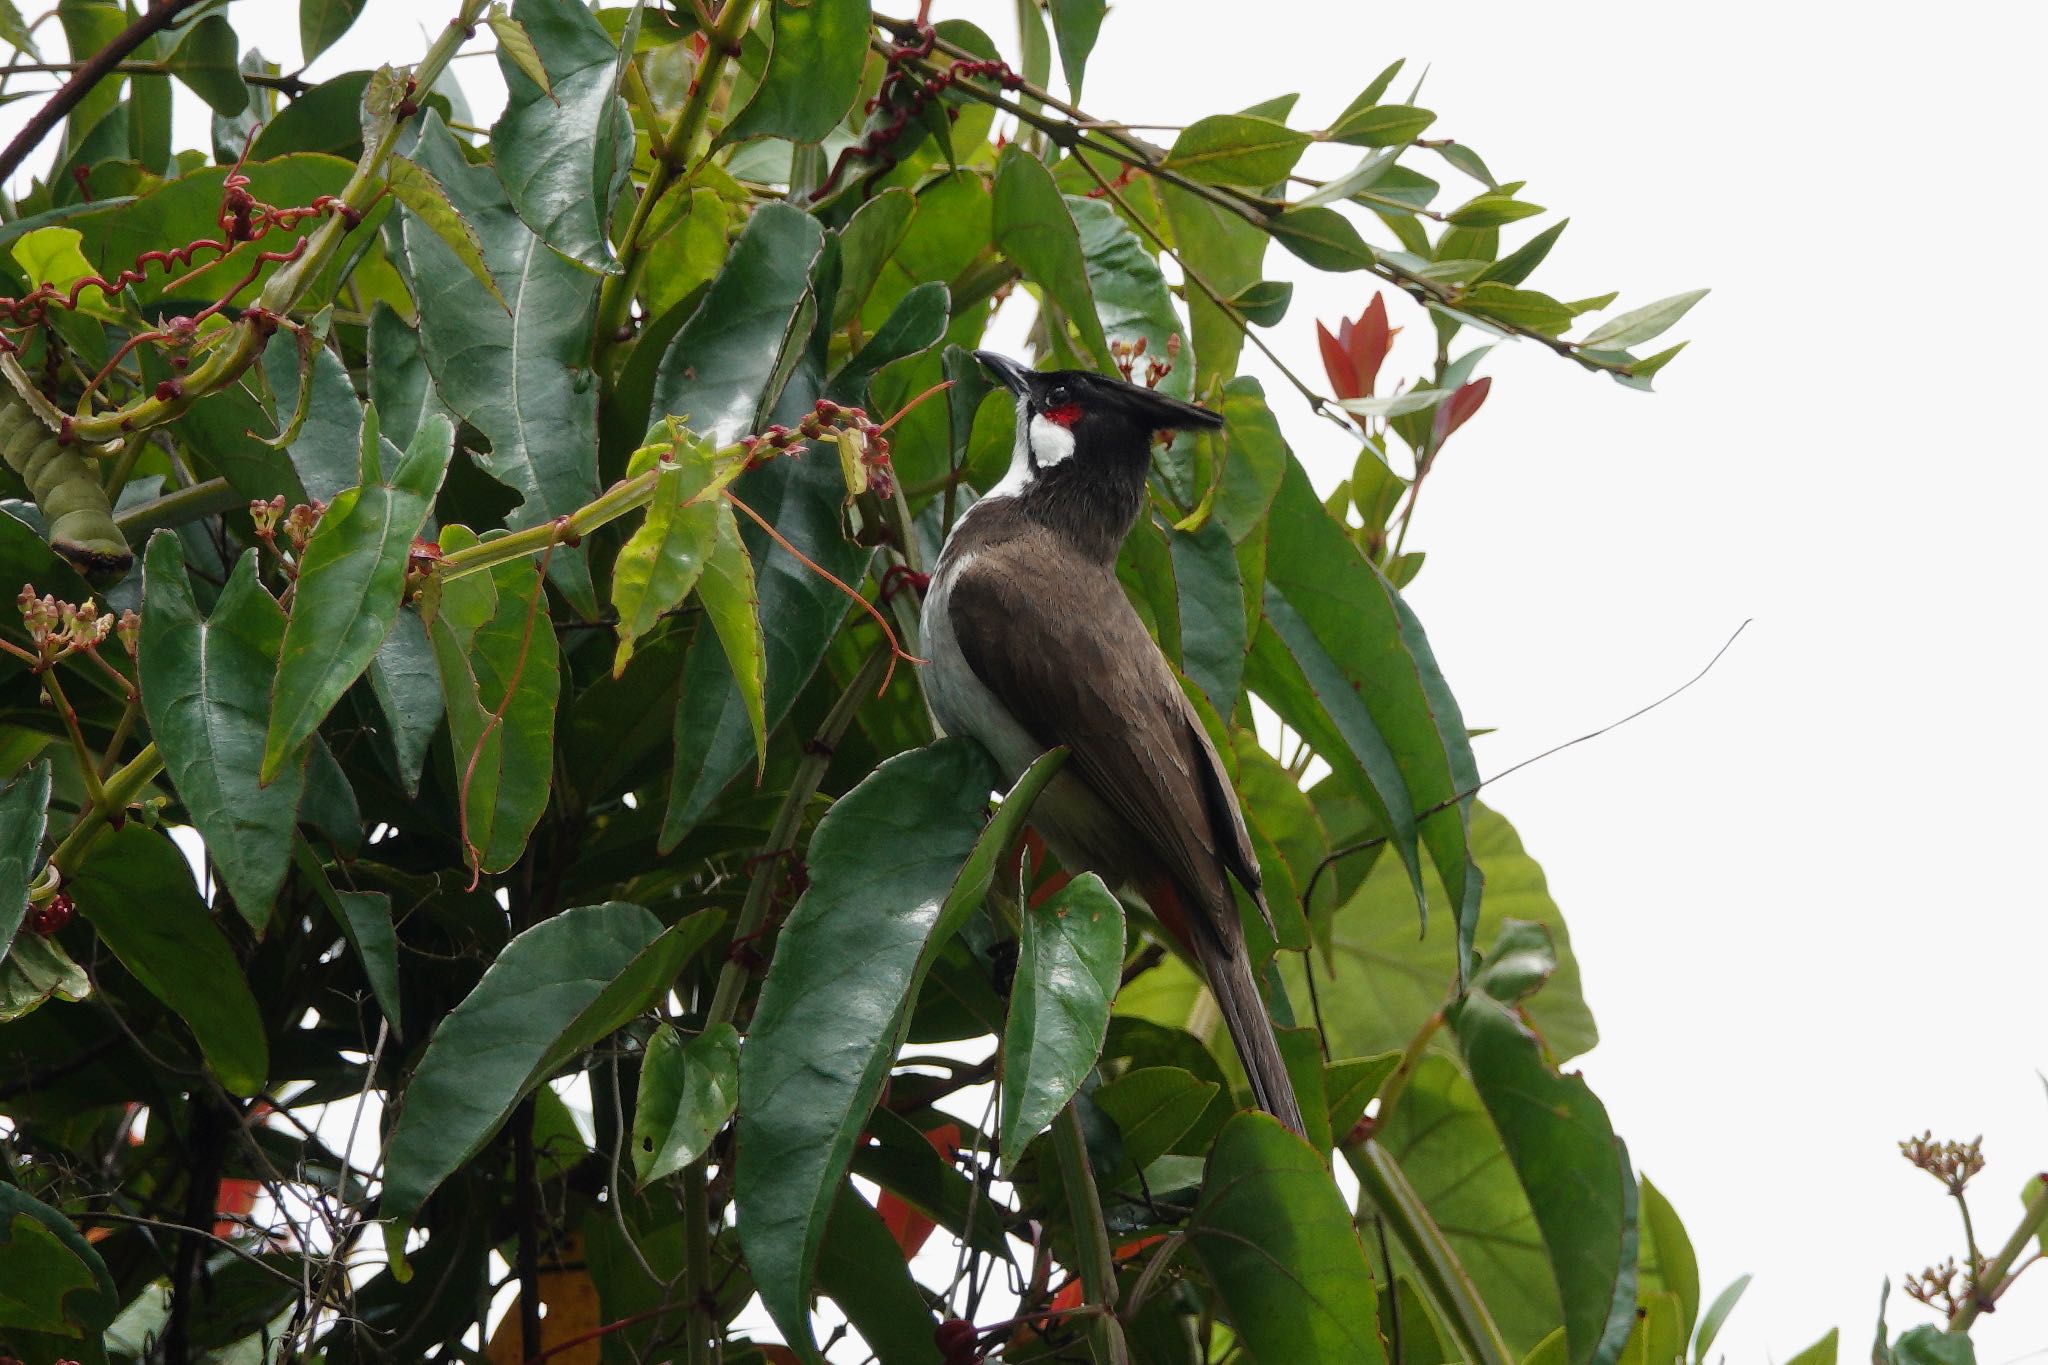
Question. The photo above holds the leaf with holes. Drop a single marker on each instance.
(687, 1092)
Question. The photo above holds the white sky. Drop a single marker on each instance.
(1795, 890)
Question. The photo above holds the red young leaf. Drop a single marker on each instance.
(1456, 410)
(1369, 343)
(1337, 362)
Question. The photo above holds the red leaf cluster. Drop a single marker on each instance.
(1457, 410)
(1352, 357)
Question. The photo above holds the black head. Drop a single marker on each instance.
(1084, 443)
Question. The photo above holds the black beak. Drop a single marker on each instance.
(1014, 377)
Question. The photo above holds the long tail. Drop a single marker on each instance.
(1229, 972)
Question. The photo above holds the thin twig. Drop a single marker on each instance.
(1474, 790)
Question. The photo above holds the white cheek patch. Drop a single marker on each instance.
(1050, 442)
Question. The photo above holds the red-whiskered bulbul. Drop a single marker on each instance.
(1032, 644)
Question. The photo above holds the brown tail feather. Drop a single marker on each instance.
(1251, 1029)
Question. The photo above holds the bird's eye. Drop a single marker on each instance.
(1058, 396)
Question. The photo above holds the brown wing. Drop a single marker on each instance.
(1069, 658)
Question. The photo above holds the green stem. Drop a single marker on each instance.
(176, 508)
(1411, 1058)
(1985, 1289)
(281, 293)
(613, 503)
(678, 148)
(1091, 1237)
(88, 767)
(698, 1345)
(116, 794)
(1442, 1276)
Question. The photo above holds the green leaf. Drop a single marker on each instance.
(1212, 613)
(206, 60)
(415, 187)
(1264, 302)
(1380, 125)
(1131, 297)
(206, 690)
(665, 556)
(1276, 1241)
(51, 1280)
(321, 22)
(35, 970)
(1716, 1314)
(1034, 228)
(351, 581)
(836, 1001)
(1444, 1143)
(1069, 960)
(1362, 654)
(1560, 1144)
(1519, 307)
(51, 255)
(733, 606)
(522, 379)
(24, 813)
(407, 684)
(1323, 237)
(863, 1270)
(563, 146)
(400, 386)
(1237, 149)
(555, 990)
(515, 45)
(1228, 253)
(917, 324)
(1492, 210)
(687, 1092)
(866, 244)
(500, 678)
(365, 921)
(311, 386)
(1520, 263)
(1665, 1260)
(1351, 1083)
(1926, 1345)
(1154, 1107)
(1822, 1352)
(1643, 324)
(1075, 24)
(721, 373)
(137, 891)
(813, 75)
(15, 33)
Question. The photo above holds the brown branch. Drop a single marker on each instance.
(96, 68)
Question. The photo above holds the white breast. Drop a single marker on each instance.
(961, 704)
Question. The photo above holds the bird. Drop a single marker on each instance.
(1031, 644)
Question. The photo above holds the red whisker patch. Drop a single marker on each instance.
(1066, 414)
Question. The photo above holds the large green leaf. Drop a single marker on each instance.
(1069, 959)
(687, 1092)
(137, 891)
(1444, 1143)
(1255, 459)
(407, 684)
(1034, 228)
(863, 1270)
(722, 371)
(400, 386)
(523, 378)
(206, 690)
(562, 153)
(1131, 296)
(311, 386)
(836, 1001)
(1227, 253)
(1212, 625)
(1560, 1144)
(351, 581)
(51, 1280)
(1356, 620)
(1237, 149)
(1382, 980)
(24, 812)
(500, 678)
(205, 60)
(554, 991)
(1276, 1241)
(813, 75)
